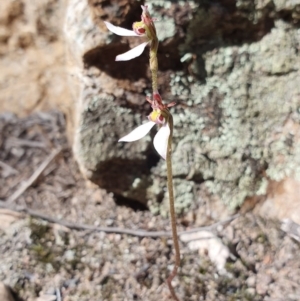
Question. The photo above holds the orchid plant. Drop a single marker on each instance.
(160, 115)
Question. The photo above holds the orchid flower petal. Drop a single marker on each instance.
(139, 132)
(161, 140)
(120, 31)
(132, 53)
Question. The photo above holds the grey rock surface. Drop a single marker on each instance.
(232, 66)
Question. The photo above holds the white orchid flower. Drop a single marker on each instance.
(132, 53)
(144, 28)
(160, 116)
(161, 139)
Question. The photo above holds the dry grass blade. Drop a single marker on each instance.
(33, 177)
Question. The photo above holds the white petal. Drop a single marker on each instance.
(132, 53)
(120, 31)
(139, 132)
(161, 141)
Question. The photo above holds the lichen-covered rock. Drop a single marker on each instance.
(232, 66)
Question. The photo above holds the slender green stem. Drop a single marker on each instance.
(172, 210)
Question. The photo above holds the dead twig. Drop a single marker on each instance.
(291, 228)
(24, 186)
(8, 169)
(80, 227)
(17, 142)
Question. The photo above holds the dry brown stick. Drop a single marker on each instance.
(80, 227)
(24, 186)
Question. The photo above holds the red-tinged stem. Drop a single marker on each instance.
(172, 210)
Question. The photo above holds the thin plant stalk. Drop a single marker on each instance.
(154, 69)
(160, 115)
(153, 63)
(172, 210)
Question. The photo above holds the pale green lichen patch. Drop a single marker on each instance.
(228, 131)
(184, 191)
(165, 28)
(168, 3)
